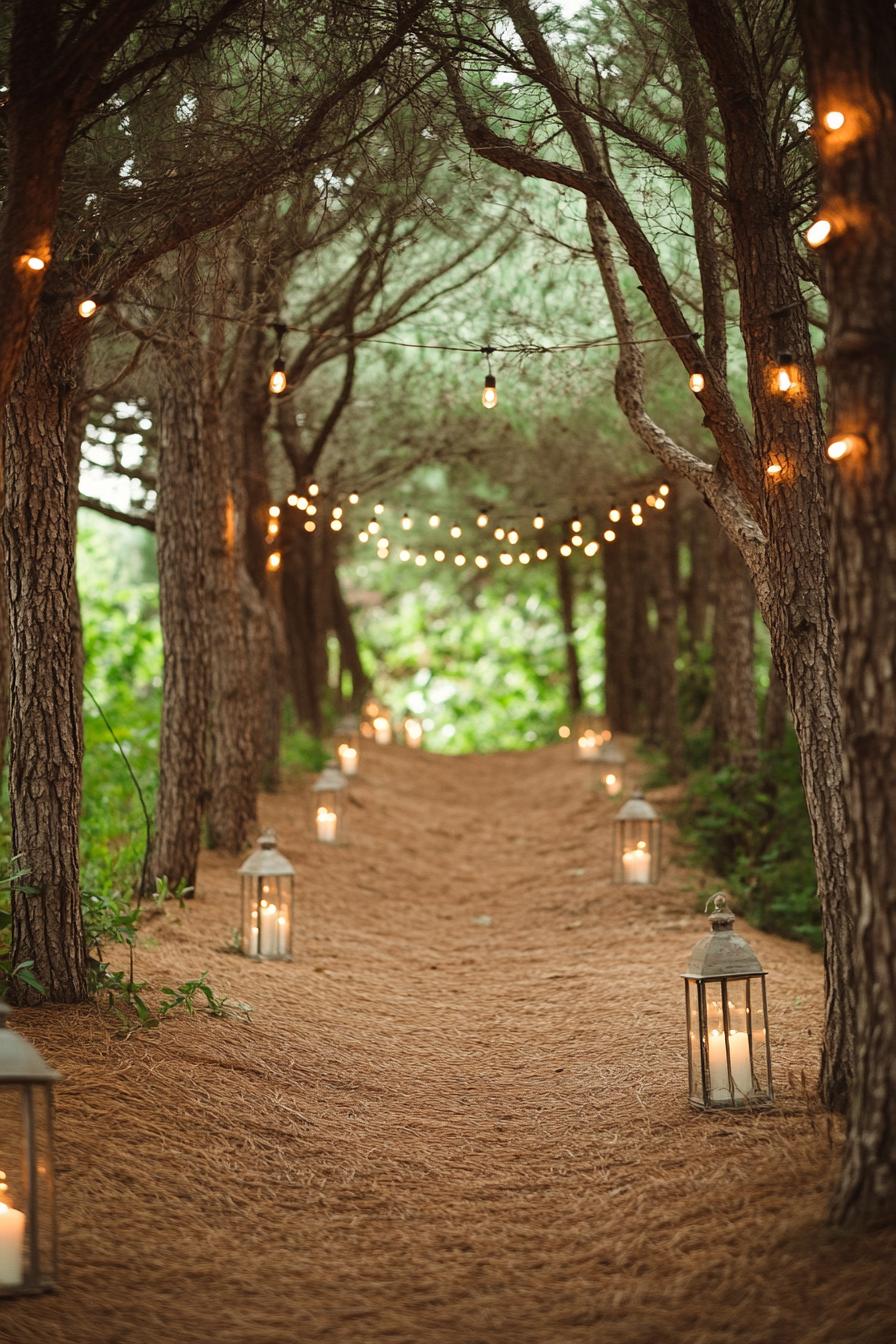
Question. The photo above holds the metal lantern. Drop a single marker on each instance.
(28, 1237)
(587, 743)
(637, 842)
(729, 1057)
(371, 710)
(413, 732)
(382, 729)
(267, 888)
(328, 805)
(610, 768)
(347, 746)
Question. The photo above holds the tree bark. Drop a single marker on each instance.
(700, 527)
(350, 654)
(46, 745)
(851, 54)
(619, 635)
(735, 724)
(182, 554)
(5, 660)
(774, 715)
(566, 598)
(663, 544)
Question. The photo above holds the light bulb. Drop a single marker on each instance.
(277, 380)
(354, 497)
(637, 520)
(541, 553)
(460, 559)
(833, 120)
(378, 508)
(636, 509)
(774, 469)
(660, 505)
(490, 392)
(500, 534)
(697, 380)
(575, 525)
(363, 536)
(565, 549)
(405, 523)
(273, 528)
(310, 524)
(513, 536)
(434, 520)
(843, 445)
(373, 527)
(482, 520)
(336, 524)
(419, 560)
(274, 511)
(577, 539)
(455, 530)
(651, 501)
(311, 510)
(87, 308)
(614, 515)
(524, 557)
(303, 503)
(337, 511)
(33, 262)
(563, 731)
(438, 555)
(785, 372)
(592, 548)
(404, 555)
(609, 535)
(273, 562)
(481, 562)
(505, 558)
(819, 232)
(538, 522)
(292, 501)
(314, 489)
(664, 490)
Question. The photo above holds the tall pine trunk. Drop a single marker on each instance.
(566, 596)
(851, 53)
(46, 744)
(735, 720)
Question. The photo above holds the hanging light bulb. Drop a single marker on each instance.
(637, 520)
(419, 560)
(660, 505)
(664, 490)
(379, 507)
(538, 522)
(311, 510)
(337, 511)
(455, 530)
(482, 520)
(785, 372)
(566, 549)
(513, 536)
(363, 535)
(336, 524)
(614, 516)
(500, 534)
(819, 232)
(274, 511)
(592, 548)
(460, 559)
(405, 523)
(523, 557)
(273, 562)
(490, 386)
(506, 558)
(373, 527)
(636, 509)
(310, 525)
(481, 562)
(434, 520)
(651, 501)
(354, 497)
(541, 553)
(697, 380)
(292, 501)
(843, 445)
(774, 469)
(577, 539)
(303, 503)
(609, 535)
(833, 120)
(277, 380)
(87, 307)
(273, 528)
(404, 555)
(438, 555)
(32, 262)
(314, 489)
(575, 525)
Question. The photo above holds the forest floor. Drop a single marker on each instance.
(458, 1117)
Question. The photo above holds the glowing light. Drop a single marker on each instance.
(614, 516)
(575, 525)
(277, 380)
(419, 560)
(664, 490)
(455, 530)
(274, 511)
(506, 558)
(513, 536)
(636, 509)
(819, 232)
(524, 557)
(660, 505)
(314, 489)
(482, 520)
(538, 522)
(500, 534)
(785, 372)
(335, 524)
(434, 520)
(460, 560)
(311, 510)
(651, 501)
(490, 392)
(405, 523)
(337, 512)
(843, 445)
(310, 525)
(32, 262)
(592, 548)
(379, 508)
(373, 527)
(774, 469)
(541, 553)
(87, 308)
(833, 120)
(438, 555)
(637, 520)
(303, 503)
(481, 562)
(273, 562)
(697, 380)
(404, 555)
(273, 528)
(354, 497)
(363, 536)
(563, 731)
(577, 540)
(609, 535)
(565, 549)
(292, 501)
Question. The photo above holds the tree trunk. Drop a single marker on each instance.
(350, 654)
(231, 815)
(663, 556)
(851, 54)
(735, 726)
(700, 529)
(182, 553)
(5, 660)
(619, 622)
(566, 598)
(774, 715)
(46, 745)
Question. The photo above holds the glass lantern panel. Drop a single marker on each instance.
(610, 779)
(756, 1008)
(27, 1215)
(695, 1072)
(268, 928)
(728, 1050)
(349, 756)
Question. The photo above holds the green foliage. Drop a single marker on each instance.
(126, 1000)
(753, 831)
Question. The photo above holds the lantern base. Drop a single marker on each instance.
(26, 1290)
(253, 956)
(762, 1102)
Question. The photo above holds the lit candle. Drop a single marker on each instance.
(613, 785)
(267, 940)
(636, 864)
(326, 825)
(741, 1069)
(413, 732)
(282, 934)
(588, 745)
(382, 731)
(12, 1241)
(348, 759)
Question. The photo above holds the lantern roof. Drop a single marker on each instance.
(330, 778)
(19, 1061)
(347, 724)
(637, 809)
(610, 754)
(266, 860)
(722, 952)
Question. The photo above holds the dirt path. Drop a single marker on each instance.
(442, 1128)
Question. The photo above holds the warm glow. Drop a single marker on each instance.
(274, 511)
(314, 489)
(591, 548)
(336, 524)
(310, 525)
(354, 497)
(575, 525)
(438, 555)
(500, 534)
(577, 540)
(664, 489)
(842, 446)
(33, 262)
(614, 515)
(273, 528)
(379, 507)
(292, 501)
(404, 555)
(506, 558)
(609, 535)
(455, 530)
(277, 380)
(833, 120)
(541, 553)
(419, 560)
(637, 520)
(783, 380)
(460, 560)
(774, 469)
(697, 381)
(481, 562)
(482, 520)
(513, 536)
(563, 730)
(636, 508)
(651, 501)
(273, 563)
(337, 512)
(660, 505)
(818, 233)
(538, 522)
(373, 527)
(434, 520)
(565, 549)
(302, 503)
(363, 536)
(405, 523)
(610, 780)
(524, 557)
(87, 308)
(312, 510)
(490, 392)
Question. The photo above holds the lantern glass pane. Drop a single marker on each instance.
(728, 1047)
(610, 778)
(268, 917)
(695, 1072)
(756, 1002)
(27, 1220)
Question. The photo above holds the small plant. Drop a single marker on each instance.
(23, 970)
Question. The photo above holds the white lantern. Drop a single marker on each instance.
(347, 746)
(267, 881)
(610, 768)
(413, 732)
(328, 806)
(637, 842)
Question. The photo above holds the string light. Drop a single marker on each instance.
(490, 386)
(274, 511)
(785, 372)
(405, 523)
(660, 505)
(273, 562)
(697, 380)
(363, 536)
(481, 562)
(819, 232)
(609, 535)
(524, 557)
(664, 489)
(277, 380)
(404, 555)
(575, 525)
(87, 307)
(460, 560)
(651, 501)
(538, 522)
(337, 511)
(592, 548)
(636, 509)
(614, 516)
(419, 560)
(833, 120)
(302, 503)
(438, 555)
(434, 520)
(379, 507)
(336, 524)
(541, 553)
(577, 540)
(311, 510)
(273, 528)
(564, 730)
(482, 520)
(354, 497)
(500, 534)
(566, 549)
(455, 530)
(513, 537)
(292, 501)
(310, 524)
(843, 445)
(373, 527)
(774, 469)
(32, 262)
(506, 558)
